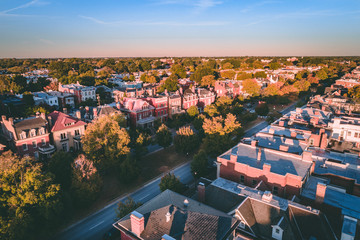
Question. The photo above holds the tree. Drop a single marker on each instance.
(251, 87)
(30, 201)
(208, 81)
(273, 89)
(302, 85)
(244, 76)
(262, 109)
(200, 72)
(171, 83)
(128, 170)
(227, 65)
(199, 164)
(321, 74)
(260, 74)
(229, 74)
(105, 142)
(211, 110)
(178, 70)
(186, 141)
(60, 166)
(86, 182)
(354, 92)
(163, 136)
(171, 182)
(274, 65)
(192, 111)
(126, 207)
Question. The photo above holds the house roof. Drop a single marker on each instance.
(194, 221)
(29, 123)
(61, 121)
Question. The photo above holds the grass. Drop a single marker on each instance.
(152, 166)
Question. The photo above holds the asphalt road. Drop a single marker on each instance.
(95, 225)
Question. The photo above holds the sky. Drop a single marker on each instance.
(157, 28)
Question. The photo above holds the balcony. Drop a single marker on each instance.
(47, 149)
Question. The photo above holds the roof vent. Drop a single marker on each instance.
(267, 196)
(168, 216)
(186, 203)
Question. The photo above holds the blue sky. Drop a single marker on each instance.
(110, 28)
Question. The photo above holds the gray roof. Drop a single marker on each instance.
(281, 163)
(195, 221)
(30, 123)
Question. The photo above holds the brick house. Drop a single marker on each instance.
(189, 98)
(278, 164)
(65, 99)
(82, 93)
(174, 104)
(160, 103)
(205, 97)
(66, 131)
(28, 136)
(227, 88)
(139, 112)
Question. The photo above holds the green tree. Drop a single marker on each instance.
(163, 136)
(260, 74)
(199, 164)
(262, 109)
(274, 65)
(208, 81)
(60, 165)
(171, 83)
(251, 86)
(129, 170)
(211, 110)
(321, 74)
(30, 201)
(186, 141)
(229, 74)
(171, 182)
(192, 111)
(227, 65)
(178, 70)
(105, 142)
(200, 72)
(126, 207)
(302, 85)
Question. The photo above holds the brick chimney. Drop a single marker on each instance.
(11, 120)
(323, 141)
(78, 115)
(137, 223)
(320, 192)
(281, 123)
(266, 167)
(284, 148)
(258, 154)
(254, 143)
(293, 134)
(201, 192)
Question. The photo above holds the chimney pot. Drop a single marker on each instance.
(201, 192)
(168, 216)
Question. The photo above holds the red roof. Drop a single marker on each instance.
(61, 121)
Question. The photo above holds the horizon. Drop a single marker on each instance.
(178, 28)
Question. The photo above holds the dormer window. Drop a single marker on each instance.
(42, 131)
(23, 135)
(32, 133)
(277, 231)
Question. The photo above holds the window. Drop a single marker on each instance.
(34, 144)
(64, 147)
(356, 134)
(275, 190)
(24, 146)
(311, 142)
(349, 133)
(77, 132)
(242, 178)
(254, 182)
(63, 136)
(32, 133)
(43, 142)
(23, 135)
(277, 231)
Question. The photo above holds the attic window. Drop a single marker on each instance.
(242, 225)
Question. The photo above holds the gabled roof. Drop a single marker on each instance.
(61, 121)
(28, 124)
(194, 221)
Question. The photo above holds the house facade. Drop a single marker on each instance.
(82, 93)
(138, 111)
(66, 131)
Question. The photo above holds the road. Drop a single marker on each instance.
(94, 226)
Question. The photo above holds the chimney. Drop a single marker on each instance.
(11, 120)
(233, 157)
(42, 115)
(323, 141)
(320, 192)
(186, 203)
(181, 91)
(258, 154)
(254, 143)
(201, 192)
(166, 92)
(65, 110)
(78, 115)
(3, 117)
(271, 131)
(50, 122)
(266, 167)
(281, 123)
(137, 223)
(168, 216)
(315, 120)
(293, 134)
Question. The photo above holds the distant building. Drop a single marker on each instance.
(205, 97)
(139, 112)
(160, 103)
(82, 93)
(64, 99)
(49, 99)
(189, 98)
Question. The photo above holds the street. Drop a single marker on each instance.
(95, 225)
